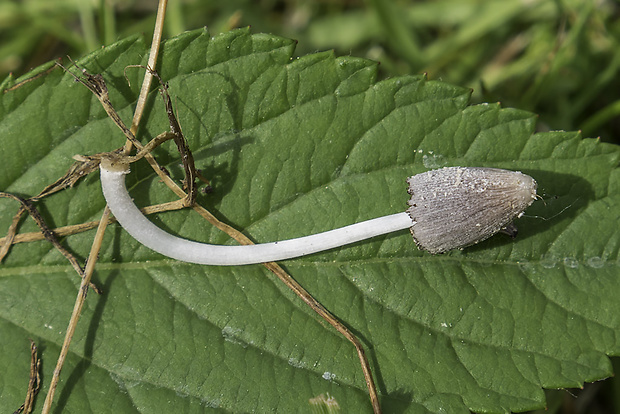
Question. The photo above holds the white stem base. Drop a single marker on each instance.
(138, 226)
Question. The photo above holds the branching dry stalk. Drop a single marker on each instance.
(87, 164)
(75, 172)
(287, 279)
(48, 234)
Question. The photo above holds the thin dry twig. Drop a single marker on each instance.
(333, 321)
(94, 253)
(189, 182)
(34, 382)
(152, 62)
(84, 166)
(11, 233)
(315, 305)
(77, 309)
(48, 234)
(96, 84)
(75, 172)
(82, 227)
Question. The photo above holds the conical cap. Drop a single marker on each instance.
(454, 207)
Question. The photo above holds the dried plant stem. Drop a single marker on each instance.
(34, 382)
(305, 296)
(82, 227)
(11, 234)
(77, 171)
(47, 233)
(94, 253)
(333, 321)
(77, 309)
(148, 76)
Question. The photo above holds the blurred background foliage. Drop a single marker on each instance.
(557, 58)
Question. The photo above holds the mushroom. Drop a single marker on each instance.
(450, 208)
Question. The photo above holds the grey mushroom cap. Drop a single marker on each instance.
(455, 207)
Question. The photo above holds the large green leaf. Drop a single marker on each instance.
(297, 146)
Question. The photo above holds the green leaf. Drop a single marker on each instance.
(294, 147)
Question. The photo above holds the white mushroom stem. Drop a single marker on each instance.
(143, 230)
